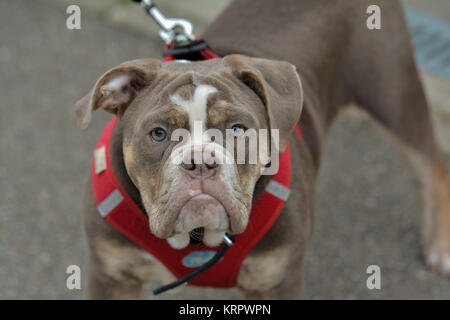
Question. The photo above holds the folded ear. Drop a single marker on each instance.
(278, 86)
(116, 89)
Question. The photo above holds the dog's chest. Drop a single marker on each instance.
(130, 264)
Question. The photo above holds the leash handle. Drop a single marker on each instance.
(176, 30)
(228, 242)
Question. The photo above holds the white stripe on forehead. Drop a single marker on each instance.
(196, 108)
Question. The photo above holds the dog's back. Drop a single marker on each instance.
(339, 59)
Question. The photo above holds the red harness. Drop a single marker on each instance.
(117, 207)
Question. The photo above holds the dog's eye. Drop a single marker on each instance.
(158, 134)
(238, 130)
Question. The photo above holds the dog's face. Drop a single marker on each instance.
(179, 121)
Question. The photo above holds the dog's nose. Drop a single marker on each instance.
(199, 170)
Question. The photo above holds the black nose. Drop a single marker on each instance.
(199, 170)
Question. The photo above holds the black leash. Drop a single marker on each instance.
(228, 242)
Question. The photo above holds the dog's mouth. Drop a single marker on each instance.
(202, 219)
(196, 235)
(209, 237)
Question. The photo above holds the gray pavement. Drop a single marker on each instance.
(367, 202)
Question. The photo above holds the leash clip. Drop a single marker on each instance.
(173, 30)
(229, 240)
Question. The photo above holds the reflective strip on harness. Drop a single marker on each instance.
(100, 159)
(111, 201)
(278, 190)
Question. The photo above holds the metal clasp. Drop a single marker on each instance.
(177, 30)
(229, 240)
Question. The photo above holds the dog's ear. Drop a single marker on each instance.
(116, 89)
(278, 86)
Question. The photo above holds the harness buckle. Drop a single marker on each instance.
(173, 30)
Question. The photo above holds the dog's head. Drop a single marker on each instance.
(179, 120)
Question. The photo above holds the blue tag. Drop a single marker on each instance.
(197, 258)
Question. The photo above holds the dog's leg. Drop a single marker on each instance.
(435, 199)
(419, 146)
(289, 289)
(392, 93)
(109, 262)
(277, 274)
(433, 180)
(100, 285)
(436, 211)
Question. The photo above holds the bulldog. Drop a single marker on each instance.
(266, 47)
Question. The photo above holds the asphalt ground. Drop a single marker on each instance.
(367, 198)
